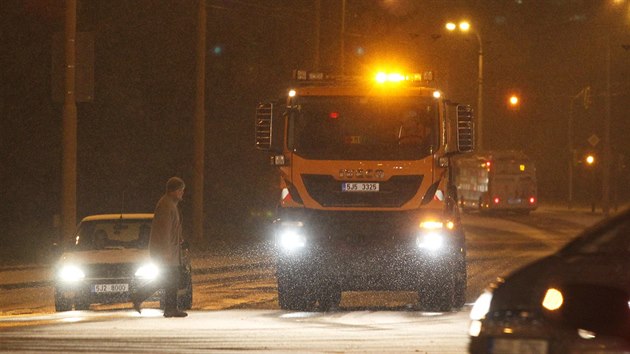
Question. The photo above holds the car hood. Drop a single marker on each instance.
(525, 288)
(112, 256)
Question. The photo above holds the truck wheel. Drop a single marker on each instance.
(329, 299)
(437, 295)
(446, 290)
(294, 297)
(459, 298)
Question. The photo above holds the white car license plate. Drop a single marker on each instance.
(110, 288)
(519, 346)
(359, 187)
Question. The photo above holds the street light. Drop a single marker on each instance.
(466, 27)
(514, 101)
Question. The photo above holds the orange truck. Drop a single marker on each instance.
(366, 198)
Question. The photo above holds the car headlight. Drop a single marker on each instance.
(478, 312)
(148, 271)
(71, 273)
(291, 236)
(553, 299)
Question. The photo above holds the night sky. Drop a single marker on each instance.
(137, 131)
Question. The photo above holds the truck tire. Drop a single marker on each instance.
(437, 295)
(461, 278)
(294, 296)
(446, 292)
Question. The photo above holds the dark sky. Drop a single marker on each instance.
(137, 131)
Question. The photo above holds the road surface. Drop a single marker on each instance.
(235, 304)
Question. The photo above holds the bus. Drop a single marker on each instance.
(496, 181)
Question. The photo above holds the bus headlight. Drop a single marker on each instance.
(147, 271)
(71, 273)
(291, 236)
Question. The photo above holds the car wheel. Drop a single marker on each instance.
(81, 305)
(62, 304)
(329, 299)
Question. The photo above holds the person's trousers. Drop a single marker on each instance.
(169, 281)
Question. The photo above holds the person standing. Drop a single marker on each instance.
(165, 249)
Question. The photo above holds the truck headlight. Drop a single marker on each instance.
(291, 236)
(148, 271)
(431, 241)
(71, 273)
(432, 234)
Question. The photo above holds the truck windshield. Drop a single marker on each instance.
(364, 128)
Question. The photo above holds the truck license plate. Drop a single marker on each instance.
(359, 187)
(110, 288)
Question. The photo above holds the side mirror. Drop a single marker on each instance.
(264, 126)
(465, 129)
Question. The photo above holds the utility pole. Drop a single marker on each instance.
(318, 25)
(199, 125)
(607, 154)
(342, 38)
(69, 138)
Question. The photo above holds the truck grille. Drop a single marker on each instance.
(392, 193)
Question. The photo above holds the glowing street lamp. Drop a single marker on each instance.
(465, 27)
(514, 102)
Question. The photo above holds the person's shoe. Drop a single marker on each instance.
(175, 313)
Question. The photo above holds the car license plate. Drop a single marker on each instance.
(359, 187)
(110, 288)
(519, 346)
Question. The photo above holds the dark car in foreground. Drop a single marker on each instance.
(574, 301)
(108, 260)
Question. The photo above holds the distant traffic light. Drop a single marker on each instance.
(589, 159)
(514, 102)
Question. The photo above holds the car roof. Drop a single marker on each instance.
(118, 216)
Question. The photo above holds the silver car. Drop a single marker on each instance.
(574, 301)
(108, 260)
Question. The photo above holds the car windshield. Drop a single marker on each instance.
(613, 238)
(113, 234)
(367, 128)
